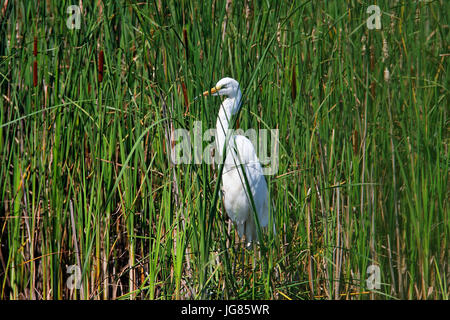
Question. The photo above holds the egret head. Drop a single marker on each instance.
(225, 87)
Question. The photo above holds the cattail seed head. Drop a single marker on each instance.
(100, 66)
(35, 80)
(186, 100)
(385, 50)
(279, 34)
(386, 74)
(363, 48)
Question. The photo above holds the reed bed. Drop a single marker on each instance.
(85, 178)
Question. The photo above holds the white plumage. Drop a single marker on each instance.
(239, 150)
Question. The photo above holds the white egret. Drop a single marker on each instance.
(239, 150)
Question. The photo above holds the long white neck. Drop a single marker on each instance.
(223, 120)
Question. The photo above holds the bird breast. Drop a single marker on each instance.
(235, 198)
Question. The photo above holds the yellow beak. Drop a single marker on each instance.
(213, 90)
